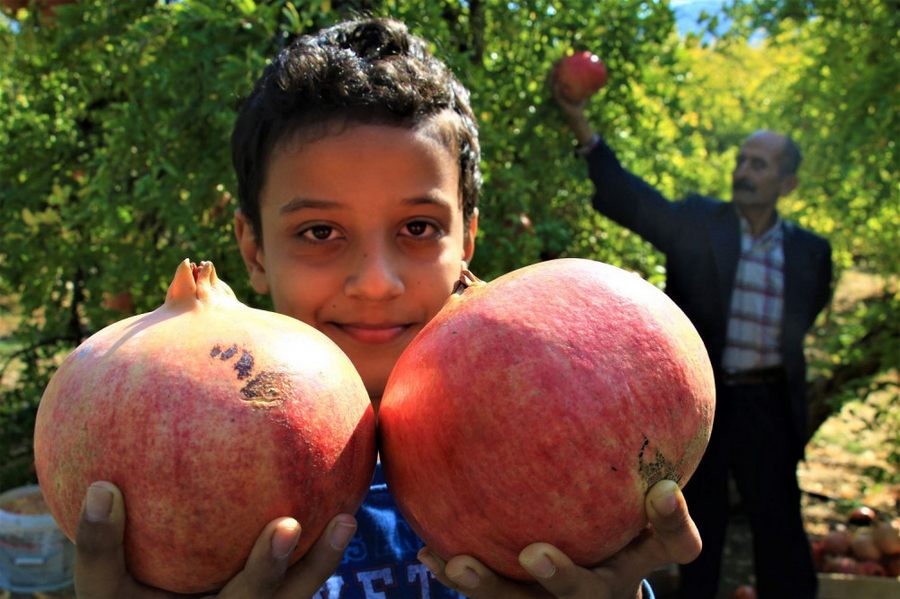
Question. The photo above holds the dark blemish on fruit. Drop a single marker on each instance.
(215, 351)
(614, 469)
(244, 366)
(228, 353)
(267, 387)
(659, 469)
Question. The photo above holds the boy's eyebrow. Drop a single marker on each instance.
(301, 203)
(428, 199)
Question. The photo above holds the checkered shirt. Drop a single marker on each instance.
(757, 302)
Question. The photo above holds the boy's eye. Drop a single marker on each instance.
(318, 233)
(419, 228)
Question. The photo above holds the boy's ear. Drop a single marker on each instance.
(251, 252)
(469, 237)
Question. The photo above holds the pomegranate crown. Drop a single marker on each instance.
(193, 283)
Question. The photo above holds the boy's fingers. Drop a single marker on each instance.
(309, 574)
(264, 570)
(436, 566)
(675, 531)
(557, 573)
(99, 556)
(475, 580)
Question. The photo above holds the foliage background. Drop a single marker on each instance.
(117, 116)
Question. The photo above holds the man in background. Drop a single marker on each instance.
(752, 284)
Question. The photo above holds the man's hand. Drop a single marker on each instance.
(100, 557)
(671, 537)
(572, 111)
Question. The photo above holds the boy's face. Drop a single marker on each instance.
(363, 238)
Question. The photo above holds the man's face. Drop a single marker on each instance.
(363, 239)
(757, 181)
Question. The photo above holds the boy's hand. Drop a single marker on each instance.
(100, 558)
(670, 537)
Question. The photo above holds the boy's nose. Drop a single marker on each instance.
(375, 277)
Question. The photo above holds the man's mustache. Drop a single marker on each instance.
(743, 184)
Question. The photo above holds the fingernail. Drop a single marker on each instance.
(665, 502)
(341, 533)
(426, 558)
(467, 578)
(285, 538)
(98, 503)
(539, 566)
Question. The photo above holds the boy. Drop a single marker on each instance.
(357, 160)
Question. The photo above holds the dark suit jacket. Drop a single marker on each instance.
(700, 238)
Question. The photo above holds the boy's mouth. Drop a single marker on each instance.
(372, 333)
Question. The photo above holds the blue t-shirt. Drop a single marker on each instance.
(380, 561)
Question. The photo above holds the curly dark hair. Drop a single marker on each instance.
(361, 71)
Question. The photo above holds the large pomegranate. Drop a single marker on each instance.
(541, 407)
(213, 418)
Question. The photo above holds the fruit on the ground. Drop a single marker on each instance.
(837, 541)
(887, 537)
(817, 547)
(871, 568)
(745, 591)
(862, 547)
(892, 565)
(862, 516)
(213, 419)
(541, 407)
(841, 565)
(581, 75)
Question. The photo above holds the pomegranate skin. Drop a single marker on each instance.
(581, 75)
(213, 419)
(541, 407)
